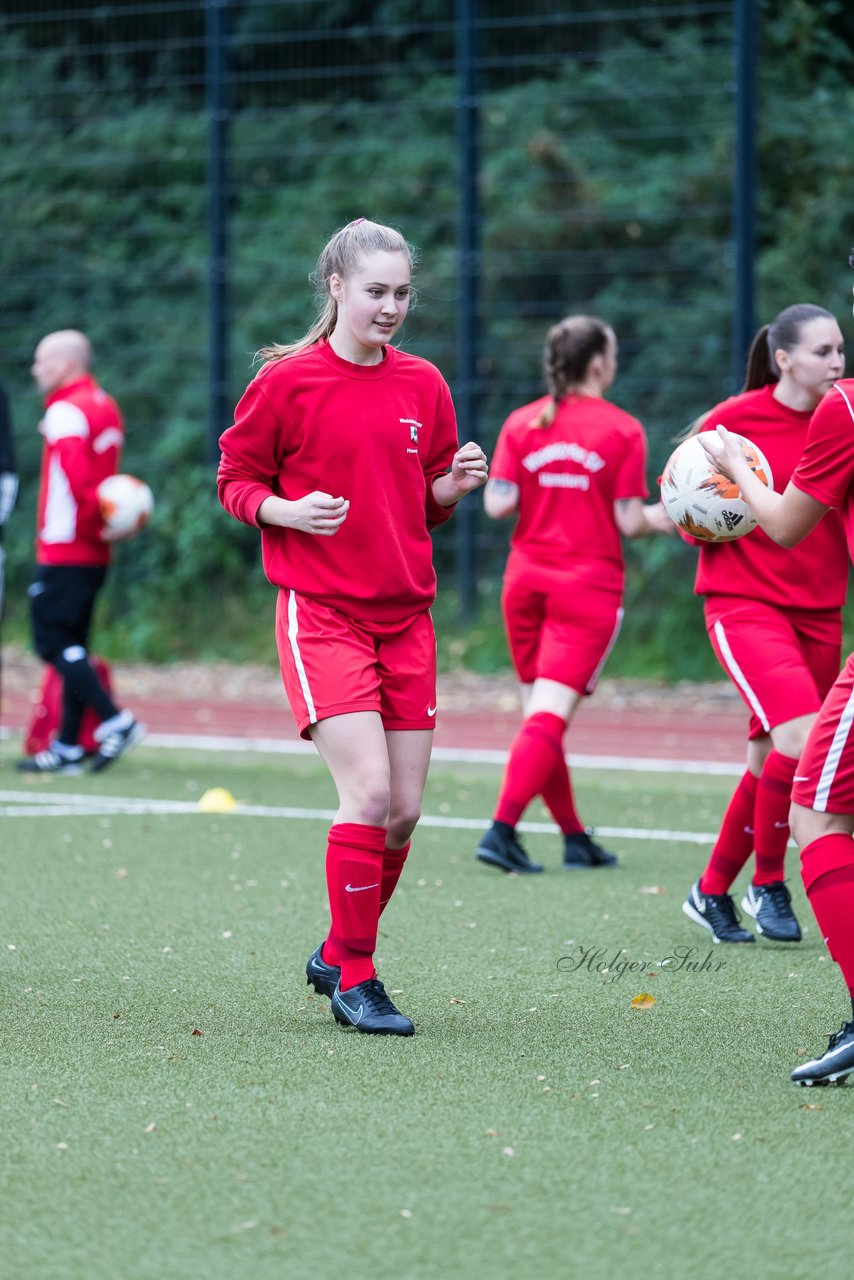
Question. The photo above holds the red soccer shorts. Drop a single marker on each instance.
(559, 627)
(782, 661)
(824, 780)
(332, 665)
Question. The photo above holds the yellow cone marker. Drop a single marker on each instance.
(217, 800)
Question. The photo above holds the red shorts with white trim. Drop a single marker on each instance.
(332, 665)
(824, 780)
(782, 661)
(559, 627)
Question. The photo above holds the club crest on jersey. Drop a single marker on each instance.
(414, 427)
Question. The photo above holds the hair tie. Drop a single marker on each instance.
(356, 222)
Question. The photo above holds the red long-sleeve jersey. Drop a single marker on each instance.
(377, 435)
(83, 437)
(812, 575)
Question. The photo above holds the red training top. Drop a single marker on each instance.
(375, 434)
(813, 575)
(570, 474)
(83, 437)
(826, 470)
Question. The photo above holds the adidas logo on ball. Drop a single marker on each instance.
(731, 519)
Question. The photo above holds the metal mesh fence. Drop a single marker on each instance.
(563, 158)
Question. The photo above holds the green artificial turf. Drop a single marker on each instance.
(176, 1102)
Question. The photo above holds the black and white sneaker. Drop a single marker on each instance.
(770, 905)
(579, 850)
(505, 852)
(116, 742)
(57, 758)
(833, 1066)
(715, 912)
(320, 975)
(367, 1008)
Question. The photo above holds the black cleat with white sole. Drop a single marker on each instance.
(770, 905)
(715, 912)
(367, 1008)
(832, 1067)
(53, 759)
(320, 975)
(117, 743)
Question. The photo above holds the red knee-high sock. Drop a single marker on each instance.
(354, 869)
(393, 860)
(532, 759)
(771, 817)
(734, 844)
(827, 868)
(559, 799)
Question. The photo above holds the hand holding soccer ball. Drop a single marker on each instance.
(126, 505)
(698, 491)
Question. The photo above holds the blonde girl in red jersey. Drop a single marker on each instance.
(775, 623)
(344, 452)
(572, 467)
(822, 813)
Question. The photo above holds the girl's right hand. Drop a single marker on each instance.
(317, 513)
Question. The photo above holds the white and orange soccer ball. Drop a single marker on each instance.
(700, 500)
(126, 506)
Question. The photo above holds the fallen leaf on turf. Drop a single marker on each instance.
(490, 1133)
(811, 1106)
(120, 874)
(454, 1000)
(406, 1213)
(197, 1032)
(149, 1128)
(508, 1151)
(643, 1001)
(652, 888)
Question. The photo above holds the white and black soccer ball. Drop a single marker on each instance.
(702, 501)
(126, 505)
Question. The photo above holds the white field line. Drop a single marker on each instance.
(23, 804)
(450, 755)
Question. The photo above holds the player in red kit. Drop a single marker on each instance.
(344, 451)
(822, 813)
(775, 623)
(82, 436)
(572, 467)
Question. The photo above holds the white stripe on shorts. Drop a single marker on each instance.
(739, 678)
(591, 683)
(293, 638)
(831, 764)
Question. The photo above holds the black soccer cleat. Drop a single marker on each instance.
(579, 850)
(715, 912)
(833, 1066)
(367, 1008)
(320, 975)
(117, 744)
(505, 852)
(770, 905)
(53, 759)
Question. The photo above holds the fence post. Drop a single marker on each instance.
(469, 265)
(216, 98)
(744, 187)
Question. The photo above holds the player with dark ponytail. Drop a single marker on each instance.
(774, 621)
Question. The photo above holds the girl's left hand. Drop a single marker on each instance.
(469, 468)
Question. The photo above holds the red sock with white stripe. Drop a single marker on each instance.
(559, 799)
(533, 754)
(734, 844)
(827, 868)
(354, 871)
(771, 817)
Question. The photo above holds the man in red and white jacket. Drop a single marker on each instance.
(83, 435)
